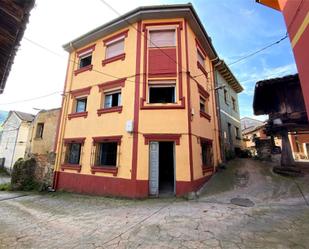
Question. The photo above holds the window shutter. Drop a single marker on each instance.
(114, 49)
(119, 99)
(162, 38)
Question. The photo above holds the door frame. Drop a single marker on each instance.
(158, 170)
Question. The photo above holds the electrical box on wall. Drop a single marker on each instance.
(129, 126)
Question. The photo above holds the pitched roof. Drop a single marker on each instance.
(185, 11)
(25, 116)
(14, 16)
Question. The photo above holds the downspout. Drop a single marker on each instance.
(63, 119)
(217, 100)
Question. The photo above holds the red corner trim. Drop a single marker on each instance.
(83, 69)
(74, 140)
(90, 48)
(108, 110)
(80, 92)
(77, 115)
(162, 137)
(123, 33)
(202, 69)
(76, 167)
(112, 59)
(205, 115)
(107, 139)
(189, 103)
(199, 46)
(112, 84)
(104, 169)
(202, 91)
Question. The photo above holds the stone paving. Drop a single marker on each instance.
(278, 219)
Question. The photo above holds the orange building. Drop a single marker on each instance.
(138, 114)
(296, 15)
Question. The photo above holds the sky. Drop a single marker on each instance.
(236, 27)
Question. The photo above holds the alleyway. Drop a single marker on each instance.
(278, 219)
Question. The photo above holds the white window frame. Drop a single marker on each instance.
(162, 85)
(118, 39)
(166, 28)
(107, 93)
(83, 56)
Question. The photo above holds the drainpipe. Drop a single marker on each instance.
(218, 110)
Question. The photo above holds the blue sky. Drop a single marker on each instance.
(237, 28)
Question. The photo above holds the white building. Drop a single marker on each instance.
(14, 137)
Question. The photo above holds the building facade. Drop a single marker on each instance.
(227, 90)
(296, 16)
(138, 115)
(14, 137)
(41, 144)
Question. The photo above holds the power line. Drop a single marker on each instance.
(31, 99)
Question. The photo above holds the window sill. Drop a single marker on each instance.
(76, 167)
(108, 110)
(78, 115)
(207, 169)
(199, 65)
(83, 69)
(205, 115)
(105, 169)
(161, 106)
(115, 58)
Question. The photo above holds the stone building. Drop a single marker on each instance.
(41, 142)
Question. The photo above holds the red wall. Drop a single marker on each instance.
(301, 49)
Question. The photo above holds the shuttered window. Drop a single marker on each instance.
(162, 38)
(200, 58)
(115, 48)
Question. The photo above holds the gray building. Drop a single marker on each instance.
(227, 89)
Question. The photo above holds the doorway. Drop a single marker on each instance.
(161, 169)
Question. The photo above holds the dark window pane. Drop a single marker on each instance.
(162, 95)
(39, 130)
(81, 105)
(108, 154)
(207, 154)
(74, 153)
(85, 61)
(202, 105)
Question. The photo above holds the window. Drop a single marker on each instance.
(225, 96)
(237, 132)
(85, 60)
(200, 58)
(162, 38)
(234, 103)
(39, 130)
(162, 94)
(207, 154)
(114, 48)
(81, 105)
(106, 154)
(112, 99)
(202, 105)
(73, 153)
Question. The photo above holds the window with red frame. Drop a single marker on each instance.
(207, 154)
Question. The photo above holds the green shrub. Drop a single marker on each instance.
(5, 186)
(23, 175)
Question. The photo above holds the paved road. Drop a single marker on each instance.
(279, 218)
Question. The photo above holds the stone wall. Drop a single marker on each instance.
(44, 169)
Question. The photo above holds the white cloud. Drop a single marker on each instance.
(37, 72)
